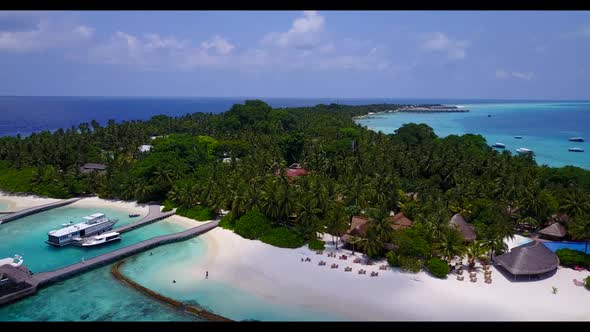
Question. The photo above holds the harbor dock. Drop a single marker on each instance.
(36, 209)
(26, 285)
(153, 215)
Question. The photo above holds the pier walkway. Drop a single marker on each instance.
(36, 209)
(153, 215)
(44, 278)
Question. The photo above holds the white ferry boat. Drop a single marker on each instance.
(524, 151)
(499, 145)
(100, 239)
(93, 224)
(576, 139)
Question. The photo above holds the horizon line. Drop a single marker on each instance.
(301, 98)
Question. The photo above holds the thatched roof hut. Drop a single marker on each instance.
(533, 258)
(462, 226)
(400, 221)
(15, 274)
(555, 230)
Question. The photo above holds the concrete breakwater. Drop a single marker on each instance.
(201, 313)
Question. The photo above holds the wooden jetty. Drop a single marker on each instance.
(34, 281)
(36, 209)
(153, 215)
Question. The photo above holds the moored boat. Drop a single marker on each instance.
(15, 261)
(576, 139)
(575, 150)
(499, 145)
(525, 151)
(100, 239)
(133, 215)
(518, 137)
(93, 224)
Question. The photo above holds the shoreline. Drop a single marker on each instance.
(277, 276)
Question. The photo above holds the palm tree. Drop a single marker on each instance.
(372, 245)
(354, 241)
(474, 251)
(576, 203)
(580, 229)
(451, 244)
(337, 222)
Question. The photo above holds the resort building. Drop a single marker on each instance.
(555, 231)
(359, 225)
(92, 167)
(295, 170)
(466, 230)
(528, 261)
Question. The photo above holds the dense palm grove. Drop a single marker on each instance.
(353, 171)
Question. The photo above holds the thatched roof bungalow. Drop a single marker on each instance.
(554, 231)
(462, 226)
(92, 167)
(533, 259)
(360, 225)
(400, 221)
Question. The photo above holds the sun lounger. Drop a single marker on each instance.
(488, 281)
(473, 279)
(357, 260)
(348, 269)
(579, 283)
(460, 278)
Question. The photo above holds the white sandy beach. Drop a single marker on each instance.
(278, 275)
(23, 202)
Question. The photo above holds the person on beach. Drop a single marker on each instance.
(206, 274)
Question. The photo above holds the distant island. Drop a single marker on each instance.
(436, 108)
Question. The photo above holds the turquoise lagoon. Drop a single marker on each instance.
(27, 236)
(97, 296)
(158, 269)
(545, 127)
(92, 296)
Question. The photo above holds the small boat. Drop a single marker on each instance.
(133, 215)
(575, 150)
(525, 151)
(499, 145)
(576, 139)
(15, 261)
(518, 137)
(489, 115)
(100, 239)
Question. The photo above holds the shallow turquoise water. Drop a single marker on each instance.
(156, 270)
(27, 236)
(545, 127)
(92, 296)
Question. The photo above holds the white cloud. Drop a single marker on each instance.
(43, 34)
(296, 49)
(503, 74)
(305, 32)
(219, 44)
(440, 42)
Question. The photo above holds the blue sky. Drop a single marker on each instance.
(340, 54)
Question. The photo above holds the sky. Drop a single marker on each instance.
(297, 54)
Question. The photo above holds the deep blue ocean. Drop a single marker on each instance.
(544, 125)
